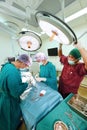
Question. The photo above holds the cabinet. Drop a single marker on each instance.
(82, 91)
(84, 82)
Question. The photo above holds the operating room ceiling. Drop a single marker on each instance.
(16, 15)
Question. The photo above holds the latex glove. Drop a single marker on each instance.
(40, 79)
(26, 76)
(32, 81)
(37, 75)
(24, 79)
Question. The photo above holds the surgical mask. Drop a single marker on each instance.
(71, 62)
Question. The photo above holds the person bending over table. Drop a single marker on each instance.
(11, 87)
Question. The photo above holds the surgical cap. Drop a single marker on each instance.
(75, 53)
(25, 59)
(40, 56)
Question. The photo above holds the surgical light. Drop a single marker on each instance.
(55, 28)
(29, 41)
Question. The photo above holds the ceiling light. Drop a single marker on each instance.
(29, 41)
(55, 28)
(76, 15)
(53, 32)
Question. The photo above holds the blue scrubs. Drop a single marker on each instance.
(11, 87)
(48, 71)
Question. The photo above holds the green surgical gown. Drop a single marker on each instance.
(48, 71)
(11, 87)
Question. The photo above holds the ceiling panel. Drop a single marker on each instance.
(22, 12)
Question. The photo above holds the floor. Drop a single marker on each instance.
(22, 127)
(82, 92)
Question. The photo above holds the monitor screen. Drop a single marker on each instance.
(53, 52)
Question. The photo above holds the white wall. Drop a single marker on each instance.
(5, 46)
(9, 47)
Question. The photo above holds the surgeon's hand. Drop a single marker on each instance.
(32, 81)
(40, 79)
(37, 75)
